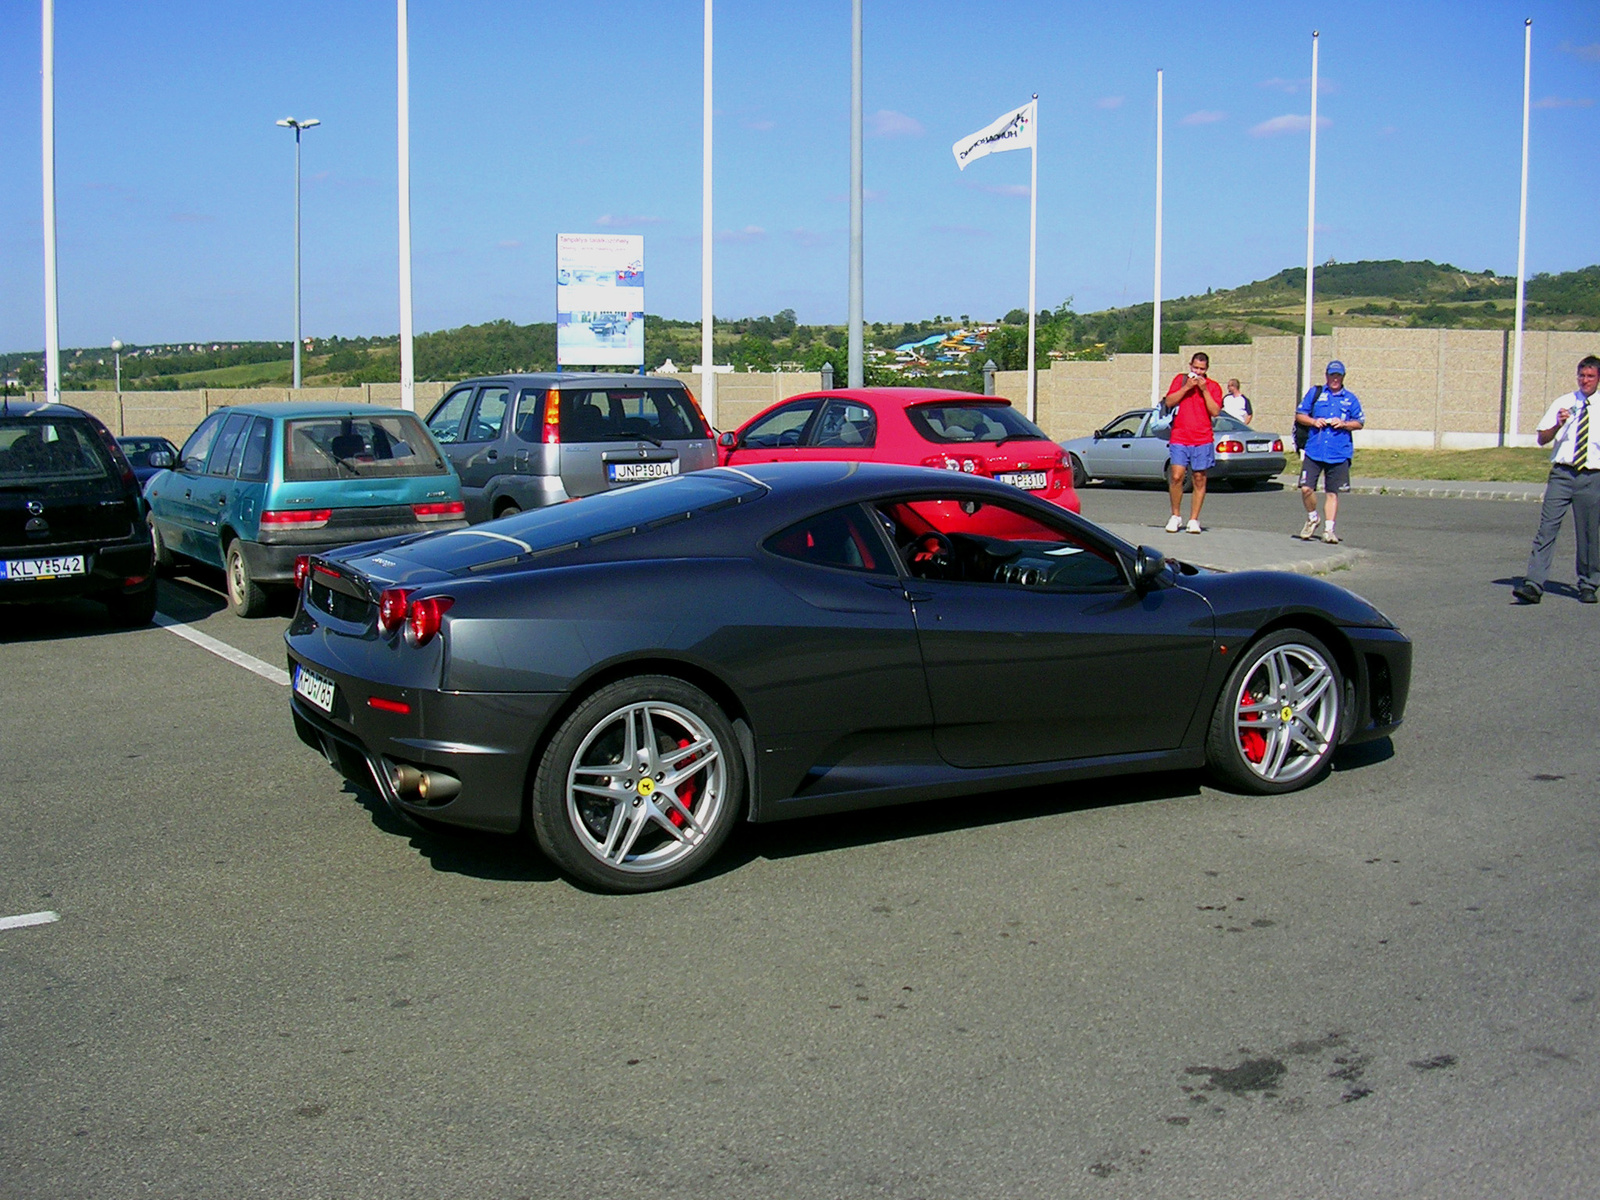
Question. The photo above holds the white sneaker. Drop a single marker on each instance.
(1308, 531)
(1194, 526)
(1175, 524)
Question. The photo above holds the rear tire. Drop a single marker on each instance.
(133, 610)
(506, 508)
(245, 596)
(1252, 746)
(1080, 476)
(640, 786)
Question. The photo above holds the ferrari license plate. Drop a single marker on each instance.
(637, 472)
(314, 688)
(20, 569)
(1256, 447)
(1028, 481)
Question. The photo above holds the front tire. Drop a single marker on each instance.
(245, 596)
(640, 786)
(164, 561)
(1277, 722)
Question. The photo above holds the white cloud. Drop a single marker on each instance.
(868, 195)
(1564, 102)
(608, 221)
(761, 126)
(1109, 102)
(810, 239)
(1204, 117)
(888, 123)
(999, 189)
(750, 233)
(510, 244)
(1325, 87)
(1589, 53)
(1288, 123)
(965, 231)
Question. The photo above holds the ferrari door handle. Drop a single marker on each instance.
(918, 597)
(492, 455)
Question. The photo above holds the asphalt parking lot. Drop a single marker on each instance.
(261, 984)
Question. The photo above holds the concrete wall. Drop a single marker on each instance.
(1444, 388)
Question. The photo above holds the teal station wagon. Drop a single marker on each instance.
(256, 486)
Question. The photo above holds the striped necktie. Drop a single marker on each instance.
(1580, 455)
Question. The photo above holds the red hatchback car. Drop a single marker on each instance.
(927, 427)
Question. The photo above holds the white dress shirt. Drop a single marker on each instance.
(1565, 444)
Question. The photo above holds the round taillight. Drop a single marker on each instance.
(1277, 446)
(392, 608)
(424, 618)
(302, 568)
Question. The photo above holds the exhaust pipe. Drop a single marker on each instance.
(417, 786)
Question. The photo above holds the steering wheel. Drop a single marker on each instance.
(932, 549)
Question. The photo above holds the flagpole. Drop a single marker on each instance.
(52, 325)
(855, 368)
(1033, 262)
(408, 369)
(1155, 342)
(708, 378)
(1311, 225)
(1522, 234)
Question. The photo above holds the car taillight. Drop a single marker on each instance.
(297, 518)
(1230, 447)
(942, 462)
(552, 418)
(302, 568)
(972, 466)
(1277, 446)
(695, 404)
(423, 618)
(441, 510)
(392, 608)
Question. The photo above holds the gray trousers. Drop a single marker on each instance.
(1579, 491)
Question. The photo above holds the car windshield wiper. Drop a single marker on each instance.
(1013, 436)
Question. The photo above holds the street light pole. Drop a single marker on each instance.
(116, 357)
(52, 327)
(855, 362)
(298, 126)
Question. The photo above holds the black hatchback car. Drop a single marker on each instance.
(71, 516)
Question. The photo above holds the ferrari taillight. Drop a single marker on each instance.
(424, 617)
(392, 608)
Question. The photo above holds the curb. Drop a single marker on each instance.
(1339, 561)
(1448, 493)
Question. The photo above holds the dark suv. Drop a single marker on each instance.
(525, 441)
(71, 516)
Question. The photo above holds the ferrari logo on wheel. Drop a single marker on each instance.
(646, 786)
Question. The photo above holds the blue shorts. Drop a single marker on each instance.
(1197, 458)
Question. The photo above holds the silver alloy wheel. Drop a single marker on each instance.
(1289, 703)
(236, 579)
(624, 785)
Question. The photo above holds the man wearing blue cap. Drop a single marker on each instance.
(1331, 414)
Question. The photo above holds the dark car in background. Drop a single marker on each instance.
(257, 486)
(71, 515)
(631, 676)
(528, 441)
(147, 455)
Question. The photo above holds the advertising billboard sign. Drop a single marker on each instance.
(599, 300)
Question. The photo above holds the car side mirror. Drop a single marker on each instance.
(160, 458)
(1098, 434)
(728, 440)
(1148, 564)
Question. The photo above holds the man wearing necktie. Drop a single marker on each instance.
(1573, 425)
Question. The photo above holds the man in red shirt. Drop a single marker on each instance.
(1191, 449)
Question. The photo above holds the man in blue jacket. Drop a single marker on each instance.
(1331, 414)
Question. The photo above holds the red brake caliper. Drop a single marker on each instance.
(1252, 741)
(685, 790)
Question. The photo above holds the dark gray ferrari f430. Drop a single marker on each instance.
(629, 675)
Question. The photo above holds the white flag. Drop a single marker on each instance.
(1014, 131)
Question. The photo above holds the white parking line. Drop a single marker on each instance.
(26, 919)
(222, 650)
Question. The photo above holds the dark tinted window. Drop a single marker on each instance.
(846, 424)
(626, 414)
(222, 461)
(39, 450)
(350, 447)
(193, 458)
(608, 515)
(139, 449)
(971, 421)
(529, 423)
(841, 538)
(256, 445)
(781, 428)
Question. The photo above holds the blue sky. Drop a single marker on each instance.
(531, 119)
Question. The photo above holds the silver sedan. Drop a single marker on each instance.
(1133, 449)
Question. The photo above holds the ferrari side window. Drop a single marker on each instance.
(966, 540)
(841, 538)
